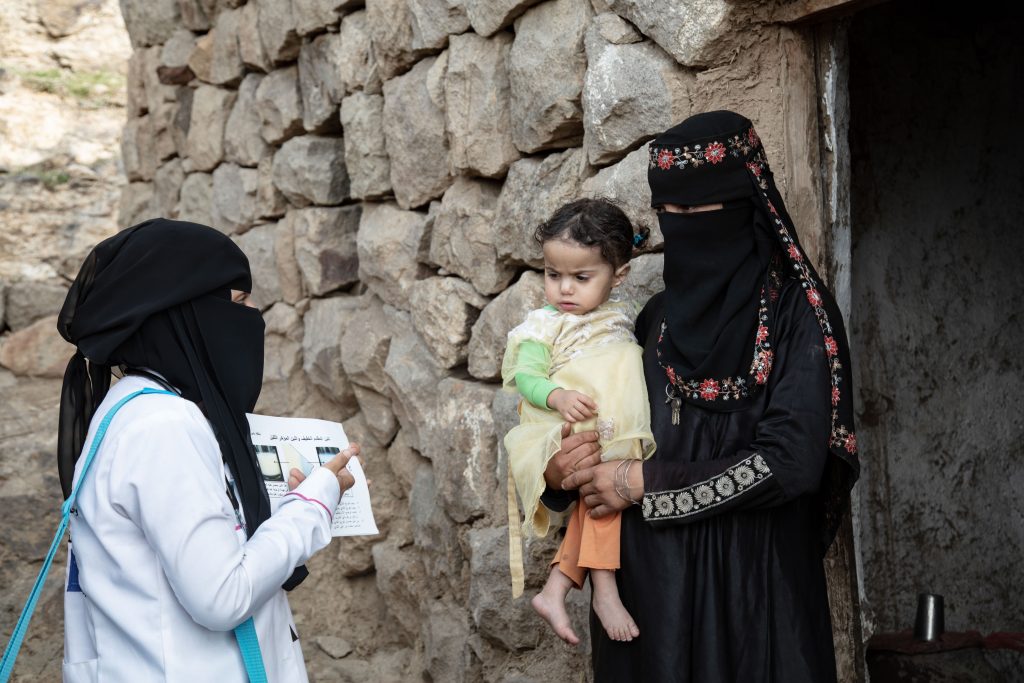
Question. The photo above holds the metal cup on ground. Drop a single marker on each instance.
(930, 622)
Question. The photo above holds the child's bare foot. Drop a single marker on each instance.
(609, 608)
(550, 605)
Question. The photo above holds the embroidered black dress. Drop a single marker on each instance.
(721, 565)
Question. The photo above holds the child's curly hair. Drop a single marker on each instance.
(595, 222)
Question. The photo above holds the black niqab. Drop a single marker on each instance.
(721, 270)
(156, 297)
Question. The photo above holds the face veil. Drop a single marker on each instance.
(723, 269)
(156, 298)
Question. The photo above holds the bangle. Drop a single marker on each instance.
(621, 481)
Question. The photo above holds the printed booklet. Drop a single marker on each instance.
(286, 443)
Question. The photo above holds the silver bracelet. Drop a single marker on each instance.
(625, 482)
(620, 481)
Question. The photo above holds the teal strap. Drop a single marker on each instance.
(245, 633)
(249, 645)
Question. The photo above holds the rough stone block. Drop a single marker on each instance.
(29, 300)
(166, 187)
(200, 61)
(286, 389)
(625, 183)
(210, 110)
(443, 311)
(694, 33)
(414, 130)
(534, 188)
(319, 84)
(463, 446)
(325, 246)
(366, 157)
(279, 103)
(400, 574)
(174, 56)
(288, 272)
(135, 205)
(243, 143)
(463, 242)
(270, 203)
(547, 113)
(490, 332)
(365, 344)
(404, 461)
(156, 92)
(311, 170)
(234, 198)
(135, 85)
(390, 241)
(497, 616)
(413, 376)
(446, 643)
(196, 14)
(260, 246)
(162, 123)
(357, 63)
(182, 120)
(278, 33)
(324, 324)
(250, 45)
(631, 93)
(37, 350)
(226, 66)
(434, 20)
(390, 24)
(645, 279)
(196, 199)
(435, 535)
(477, 111)
(376, 410)
(138, 153)
(487, 17)
(150, 22)
(315, 16)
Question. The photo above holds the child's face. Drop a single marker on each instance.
(577, 279)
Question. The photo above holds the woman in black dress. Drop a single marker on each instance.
(748, 374)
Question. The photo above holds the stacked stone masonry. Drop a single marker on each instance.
(383, 165)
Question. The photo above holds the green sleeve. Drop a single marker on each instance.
(531, 373)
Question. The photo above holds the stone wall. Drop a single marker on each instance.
(383, 165)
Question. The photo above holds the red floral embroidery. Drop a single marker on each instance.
(665, 159)
(715, 152)
(709, 390)
(752, 137)
(813, 297)
(794, 253)
(835, 396)
(762, 333)
(671, 374)
(851, 444)
(831, 348)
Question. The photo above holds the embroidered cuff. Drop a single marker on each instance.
(716, 491)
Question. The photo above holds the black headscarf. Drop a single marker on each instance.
(156, 298)
(722, 270)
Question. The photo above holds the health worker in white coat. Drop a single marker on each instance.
(173, 543)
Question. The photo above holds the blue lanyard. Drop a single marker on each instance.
(245, 633)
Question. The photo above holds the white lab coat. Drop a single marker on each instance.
(164, 569)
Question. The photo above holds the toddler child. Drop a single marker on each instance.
(576, 361)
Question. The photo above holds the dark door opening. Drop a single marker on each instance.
(937, 325)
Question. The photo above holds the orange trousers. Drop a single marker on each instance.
(588, 544)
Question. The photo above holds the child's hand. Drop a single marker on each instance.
(572, 405)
